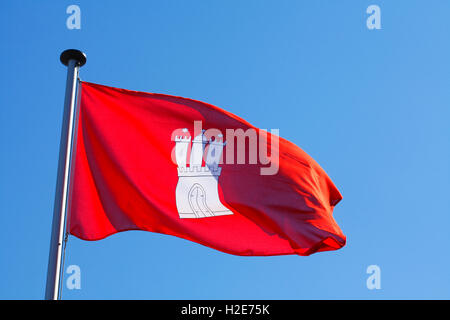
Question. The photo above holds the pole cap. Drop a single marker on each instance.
(73, 54)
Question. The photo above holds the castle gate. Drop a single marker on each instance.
(197, 201)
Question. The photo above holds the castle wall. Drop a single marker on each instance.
(209, 184)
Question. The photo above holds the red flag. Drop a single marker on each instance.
(171, 165)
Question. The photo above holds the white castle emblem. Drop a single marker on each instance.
(197, 193)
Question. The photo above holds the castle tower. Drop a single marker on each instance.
(182, 147)
(198, 148)
(215, 153)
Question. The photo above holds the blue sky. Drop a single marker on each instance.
(370, 106)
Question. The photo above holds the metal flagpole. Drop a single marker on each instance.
(73, 59)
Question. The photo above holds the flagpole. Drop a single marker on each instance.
(73, 59)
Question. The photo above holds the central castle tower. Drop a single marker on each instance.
(197, 194)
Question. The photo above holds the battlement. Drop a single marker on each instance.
(182, 139)
(199, 171)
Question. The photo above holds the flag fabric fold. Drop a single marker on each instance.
(141, 163)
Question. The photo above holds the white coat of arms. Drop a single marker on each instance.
(197, 194)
